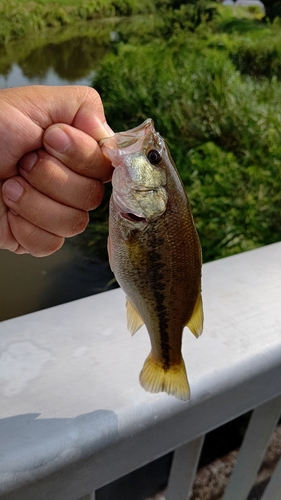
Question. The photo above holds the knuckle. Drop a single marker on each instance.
(94, 95)
(51, 245)
(80, 222)
(90, 94)
(34, 240)
(93, 195)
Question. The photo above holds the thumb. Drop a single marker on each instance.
(78, 150)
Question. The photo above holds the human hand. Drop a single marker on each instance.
(52, 169)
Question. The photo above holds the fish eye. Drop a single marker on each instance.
(154, 156)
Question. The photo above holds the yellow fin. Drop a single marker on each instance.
(134, 321)
(195, 324)
(154, 378)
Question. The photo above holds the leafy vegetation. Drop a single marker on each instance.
(220, 115)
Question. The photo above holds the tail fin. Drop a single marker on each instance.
(154, 378)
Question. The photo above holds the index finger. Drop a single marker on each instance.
(40, 106)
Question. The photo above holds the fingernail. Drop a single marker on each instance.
(102, 131)
(108, 129)
(28, 161)
(57, 139)
(12, 190)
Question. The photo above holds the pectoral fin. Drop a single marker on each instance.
(134, 321)
(195, 324)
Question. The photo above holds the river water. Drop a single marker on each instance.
(27, 283)
(16, 78)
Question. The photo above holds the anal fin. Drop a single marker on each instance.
(195, 324)
(134, 321)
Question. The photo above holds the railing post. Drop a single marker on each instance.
(261, 426)
(183, 470)
(273, 489)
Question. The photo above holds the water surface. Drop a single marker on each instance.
(58, 57)
(61, 57)
(17, 78)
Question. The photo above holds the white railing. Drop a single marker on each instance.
(73, 417)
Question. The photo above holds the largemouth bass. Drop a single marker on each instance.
(154, 252)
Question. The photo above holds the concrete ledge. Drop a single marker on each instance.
(72, 414)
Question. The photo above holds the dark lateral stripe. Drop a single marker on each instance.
(158, 276)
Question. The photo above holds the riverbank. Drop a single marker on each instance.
(20, 19)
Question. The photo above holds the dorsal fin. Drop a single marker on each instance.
(134, 320)
(195, 324)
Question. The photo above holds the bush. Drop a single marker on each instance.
(261, 58)
(188, 16)
(224, 133)
(236, 206)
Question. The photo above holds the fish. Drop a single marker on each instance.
(154, 252)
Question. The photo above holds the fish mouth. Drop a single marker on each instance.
(132, 217)
(123, 140)
(128, 142)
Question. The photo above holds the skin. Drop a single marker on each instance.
(52, 170)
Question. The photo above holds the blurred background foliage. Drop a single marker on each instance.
(210, 79)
